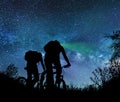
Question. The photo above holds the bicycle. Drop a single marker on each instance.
(41, 83)
(58, 84)
(38, 85)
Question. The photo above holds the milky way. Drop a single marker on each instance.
(80, 26)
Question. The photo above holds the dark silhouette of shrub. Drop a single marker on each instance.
(115, 46)
(11, 71)
(101, 76)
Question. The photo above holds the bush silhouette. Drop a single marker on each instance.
(103, 75)
(11, 71)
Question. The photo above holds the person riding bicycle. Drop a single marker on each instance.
(32, 58)
(52, 57)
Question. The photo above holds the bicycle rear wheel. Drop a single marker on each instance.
(22, 80)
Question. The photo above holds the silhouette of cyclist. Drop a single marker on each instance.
(32, 58)
(52, 58)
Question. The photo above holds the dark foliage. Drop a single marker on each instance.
(10, 87)
(11, 71)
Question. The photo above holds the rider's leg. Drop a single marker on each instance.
(29, 79)
(58, 73)
(42, 78)
(49, 76)
(36, 77)
(49, 80)
(58, 76)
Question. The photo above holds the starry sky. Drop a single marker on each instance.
(80, 26)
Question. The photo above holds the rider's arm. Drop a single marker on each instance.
(65, 57)
(42, 64)
(41, 60)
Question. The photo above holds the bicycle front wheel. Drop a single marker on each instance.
(61, 85)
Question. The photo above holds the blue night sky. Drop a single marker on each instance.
(80, 26)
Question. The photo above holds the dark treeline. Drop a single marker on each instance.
(10, 87)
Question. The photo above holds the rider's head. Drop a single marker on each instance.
(57, 42)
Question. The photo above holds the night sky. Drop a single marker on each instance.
(80, 26)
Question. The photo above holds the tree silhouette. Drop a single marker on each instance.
(111, 70)
(115, 46)
(11, 71)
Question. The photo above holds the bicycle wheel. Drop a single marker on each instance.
(61, 84)
(22, 80)
(42, 82)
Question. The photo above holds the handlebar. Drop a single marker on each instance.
(64, 66)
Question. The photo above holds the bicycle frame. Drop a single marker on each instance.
(58, 83)
(42, 84)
